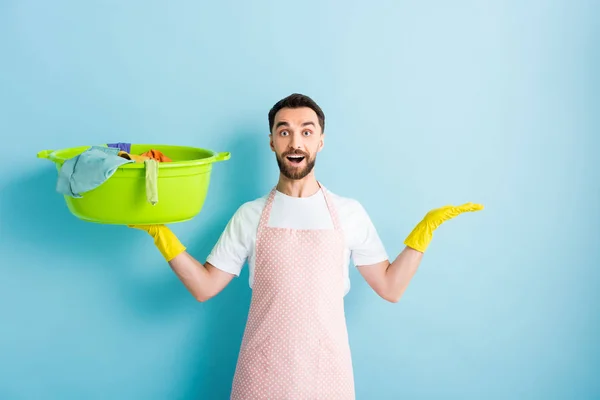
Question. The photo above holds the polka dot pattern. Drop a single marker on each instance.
(295, 344)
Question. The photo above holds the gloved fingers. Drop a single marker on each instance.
(153, 230)
(141, 227)
(469, 207)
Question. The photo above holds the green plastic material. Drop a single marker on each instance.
(182, 187)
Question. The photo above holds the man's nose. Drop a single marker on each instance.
(295, 142)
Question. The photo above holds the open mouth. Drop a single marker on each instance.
(295, 159)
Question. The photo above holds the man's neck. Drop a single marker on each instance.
(304, 187)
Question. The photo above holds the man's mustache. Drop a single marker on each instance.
(295, 153)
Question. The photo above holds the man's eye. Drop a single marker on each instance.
(283, 133)
(306, 133)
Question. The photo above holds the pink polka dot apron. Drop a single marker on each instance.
(295, 344)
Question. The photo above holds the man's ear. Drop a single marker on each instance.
(271, 142)
(322, 142)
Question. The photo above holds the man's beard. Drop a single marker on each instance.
(295, 173)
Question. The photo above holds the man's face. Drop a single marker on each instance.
(296, 139)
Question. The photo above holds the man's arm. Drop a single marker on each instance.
(390, 280)
(202, 281)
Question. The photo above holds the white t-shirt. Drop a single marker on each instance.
(237, 243)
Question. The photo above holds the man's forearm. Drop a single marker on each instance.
(399, 273)
(202, 281)
(195, 276)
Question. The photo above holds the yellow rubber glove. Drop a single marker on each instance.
(165, 240)
(422, 234)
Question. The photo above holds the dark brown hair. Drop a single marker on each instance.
(296, 100)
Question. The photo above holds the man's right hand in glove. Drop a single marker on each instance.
(164, 239)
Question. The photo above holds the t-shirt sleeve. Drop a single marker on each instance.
(232, 249)
(366, 246)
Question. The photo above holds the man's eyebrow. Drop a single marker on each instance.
(284, 123)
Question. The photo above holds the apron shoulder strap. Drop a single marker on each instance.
(331, 207)
(266, 212)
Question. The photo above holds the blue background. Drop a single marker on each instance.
(427, 103)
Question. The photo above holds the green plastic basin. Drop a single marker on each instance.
(182, 187)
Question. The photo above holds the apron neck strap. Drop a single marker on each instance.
(264, 218)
